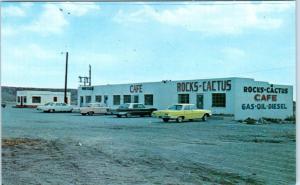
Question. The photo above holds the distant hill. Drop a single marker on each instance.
(9, 93)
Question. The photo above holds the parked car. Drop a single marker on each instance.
(133, 109)
(181, 112)
(55, 107)
(3, 105)
(94, 108)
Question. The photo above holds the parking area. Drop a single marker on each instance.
(67, 148)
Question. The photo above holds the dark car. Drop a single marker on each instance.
(133, 109)
(3, 105)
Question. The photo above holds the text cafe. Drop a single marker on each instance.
(240, 97)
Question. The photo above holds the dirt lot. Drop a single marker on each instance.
(66, 148)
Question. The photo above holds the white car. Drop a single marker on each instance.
(94, 108)
(55, 107)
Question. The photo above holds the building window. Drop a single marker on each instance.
(24, 99)
(55, 99)
(117, 99)
(148, 99)
(218, 100)
(36, 99)
(136, 99)
(183, 98)
(19, 99)
(88, 99)
(98, 98)
(81, 99)
(127, 99)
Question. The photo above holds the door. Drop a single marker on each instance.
(199, 101)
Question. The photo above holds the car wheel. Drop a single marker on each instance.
(90, 113)
(118, 115)
(204, 118)
(51, 110)
(83, 114)
(166, 120)
(179, 119)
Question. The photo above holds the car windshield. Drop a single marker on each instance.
(49, 103)
(175, 107)
(124, 106)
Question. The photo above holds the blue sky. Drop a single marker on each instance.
(144, 42)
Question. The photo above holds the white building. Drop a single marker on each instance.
(35, 98)
(240, 97)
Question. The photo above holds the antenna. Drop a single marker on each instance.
(90, 75)
(86, 80)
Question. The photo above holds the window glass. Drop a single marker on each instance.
(24, 99)
(127, 99)
(81, 99)
(175, 107)
(98, 98)
(148, 99)
(183, 98)
(187, 107)
(141, 106)
(116, 99)
(19, 98)
(36, 99)
(136, 99)
(135, 106)
(218, 100)
(55, 99)
(193, 107)
(124, 106)
(88, 99)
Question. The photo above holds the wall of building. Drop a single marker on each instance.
(257, 99)
(166, 93)
(239, 102)
(46, 96)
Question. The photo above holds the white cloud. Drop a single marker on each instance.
(12, 11)
(31, 52)
(51, 20)
(79, 9)
(212, 19)
(7, 31)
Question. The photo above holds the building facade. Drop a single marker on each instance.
(35, 98)
(240, 97)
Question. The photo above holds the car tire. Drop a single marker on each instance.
(51, 110)
(118, 115)
(204, 118)
(83, 114)
(179, 119)
(90, 113)
(165, 120)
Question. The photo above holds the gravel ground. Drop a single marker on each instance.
(66, 148)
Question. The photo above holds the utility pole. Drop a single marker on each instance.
(66, 79)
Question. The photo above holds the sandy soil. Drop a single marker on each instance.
(66, 148)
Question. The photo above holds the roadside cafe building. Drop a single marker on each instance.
(239, 97)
